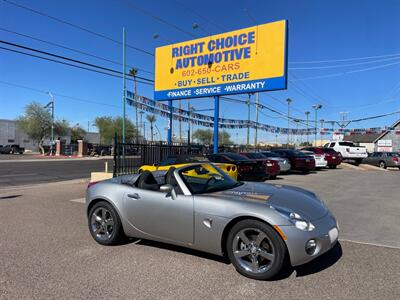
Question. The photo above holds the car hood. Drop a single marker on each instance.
(290, 198)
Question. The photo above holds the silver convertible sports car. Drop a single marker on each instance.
(258, 226)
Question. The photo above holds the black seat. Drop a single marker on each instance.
(147, 182)
(170, 179)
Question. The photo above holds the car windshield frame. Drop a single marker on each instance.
(222, 183)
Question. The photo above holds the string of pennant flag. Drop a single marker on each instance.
(187, 116)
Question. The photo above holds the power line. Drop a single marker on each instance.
(71, 65)
(345, 65)
(77, 27)
(155, 17)
(72, 49)
(71, 59)
(199, 15)
(346, 72)
(343, 60)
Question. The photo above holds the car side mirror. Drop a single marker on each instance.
(169, 190)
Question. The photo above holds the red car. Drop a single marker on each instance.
(298, 160)
(331, 156)
(271, 166)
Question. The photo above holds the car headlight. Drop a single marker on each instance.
(297, 220)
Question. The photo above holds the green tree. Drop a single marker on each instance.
(206, 136)
(152, 119)
(108, 126)
(36, 123)
(77, 133)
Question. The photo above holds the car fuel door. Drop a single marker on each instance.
(159, 214)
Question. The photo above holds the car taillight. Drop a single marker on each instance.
(228, 168)
(92, 183)
(233, 168)
(395, 158)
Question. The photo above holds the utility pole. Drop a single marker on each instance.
(248, 120)
(320, 134)
(52, 121)
(256, 131)
(189, 122)
(307, 133)
(288, 100)
(297, 129)
(316, 107)
(141, 124)
(124, 87)
(180, 121)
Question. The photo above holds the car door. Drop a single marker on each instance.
(376, 158)
(156, 214)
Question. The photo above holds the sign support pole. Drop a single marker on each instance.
(216, 121)
(169, 137)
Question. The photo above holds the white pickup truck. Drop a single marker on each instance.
(348, 150)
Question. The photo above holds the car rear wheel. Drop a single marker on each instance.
(382, 165)
(256, 250)
(105, 225)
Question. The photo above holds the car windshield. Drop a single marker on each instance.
(270, 154)
(255, 155)
(206, 178)
(234, 156)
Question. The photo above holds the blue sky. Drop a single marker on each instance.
(318, 31)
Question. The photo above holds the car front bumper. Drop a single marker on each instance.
(326, 234)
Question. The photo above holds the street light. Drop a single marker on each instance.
(307, 116)
(316, 107)
(288, 100)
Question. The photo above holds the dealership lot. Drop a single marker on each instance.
(50, 253)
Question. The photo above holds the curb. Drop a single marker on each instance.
(53, 159)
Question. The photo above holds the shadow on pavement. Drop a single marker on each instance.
(321, 263)
(10, 197)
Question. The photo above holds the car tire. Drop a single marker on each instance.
(266, 250)
(305, 171)
(273, 177)
(382, 165)
(333, 166)
(105, 225)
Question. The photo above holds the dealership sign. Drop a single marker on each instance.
(242, 61)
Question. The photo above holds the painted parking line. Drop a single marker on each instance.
(79, 200)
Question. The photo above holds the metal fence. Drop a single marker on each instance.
(129, 157)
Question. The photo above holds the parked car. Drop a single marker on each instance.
(247, 169)
(298, 160)
(181, 160)
(258, 226)
(271, 166)
(383, 159)
(284, 164)
(320, 161)
(331, 156)
(12, 149)
(348, 150)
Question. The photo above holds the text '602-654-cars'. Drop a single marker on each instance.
(258, 226)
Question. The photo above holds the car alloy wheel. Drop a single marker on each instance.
(102, 223)
(253, 250)
(256, 250)
(382, 165)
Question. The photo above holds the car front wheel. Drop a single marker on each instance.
(382, 165)
(256, 250)
(105, 225)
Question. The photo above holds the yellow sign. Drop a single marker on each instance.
(242, 61)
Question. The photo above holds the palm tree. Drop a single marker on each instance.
(133, 72)
(152, 119)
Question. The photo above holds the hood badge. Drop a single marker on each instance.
(207, 222)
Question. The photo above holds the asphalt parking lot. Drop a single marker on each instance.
(47, 252)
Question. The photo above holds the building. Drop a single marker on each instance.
(388, 141)
(11, 134)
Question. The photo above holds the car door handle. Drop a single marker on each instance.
(134, 196)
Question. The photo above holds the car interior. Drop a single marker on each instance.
(147, 181)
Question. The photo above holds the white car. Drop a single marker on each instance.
(348, 150)
(320, 160)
